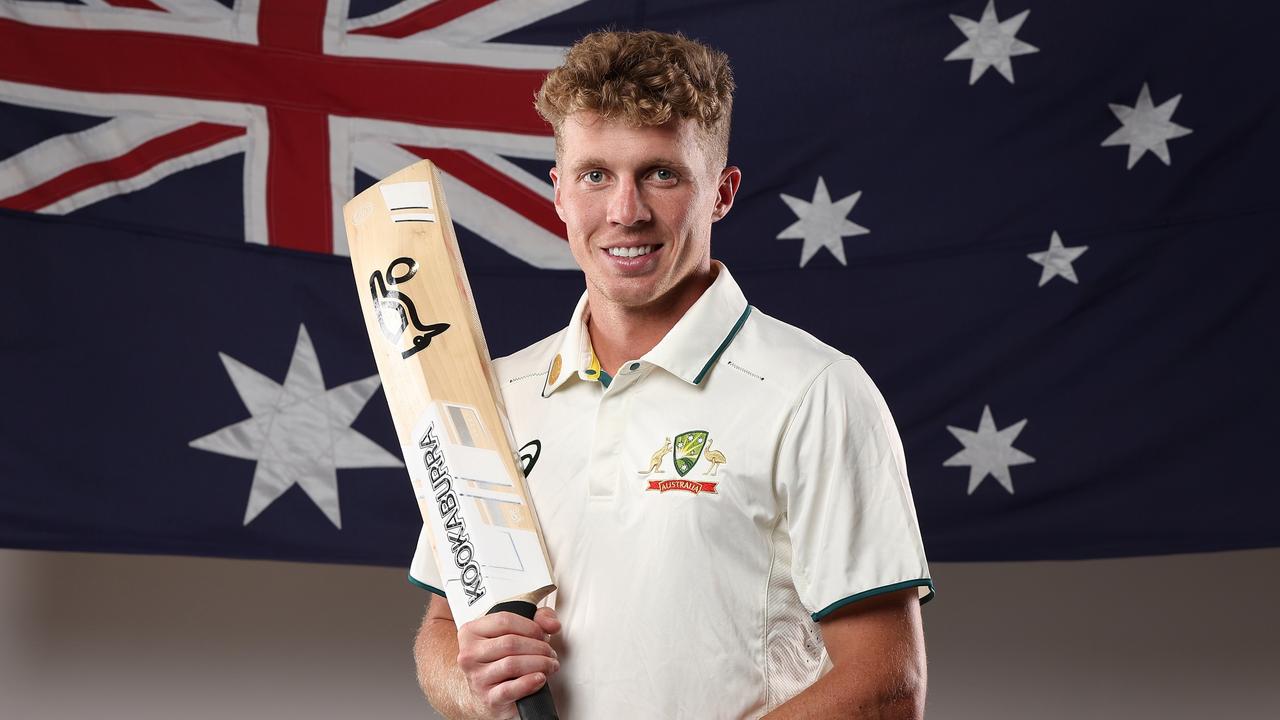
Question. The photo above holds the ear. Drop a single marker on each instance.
(730, 179)
(555, 182)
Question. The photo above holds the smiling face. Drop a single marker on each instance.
(638, 204)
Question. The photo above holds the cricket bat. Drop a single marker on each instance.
(445, 403)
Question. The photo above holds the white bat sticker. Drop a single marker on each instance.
(481, 528)
(408, 201)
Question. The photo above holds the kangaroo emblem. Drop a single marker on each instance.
(655, 462)
(395, 311)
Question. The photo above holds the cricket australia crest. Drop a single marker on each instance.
(689, 448)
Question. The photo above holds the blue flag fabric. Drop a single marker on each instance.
(1045, 229)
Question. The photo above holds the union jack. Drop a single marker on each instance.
(306, 92)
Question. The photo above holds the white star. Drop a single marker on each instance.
(1057, 260)
(822, 223)
(1146, 127)
(988, 451)
(991, 42)
(299, 432)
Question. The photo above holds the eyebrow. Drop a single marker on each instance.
(595, 162)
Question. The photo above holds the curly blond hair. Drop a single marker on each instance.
(643, 78)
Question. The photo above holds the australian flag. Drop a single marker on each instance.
(1046, 229)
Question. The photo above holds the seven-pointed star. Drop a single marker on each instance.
(299, 432)
(988, 451)
(991, 42)
(1057, 260)
(1146, 127)
(822, 223)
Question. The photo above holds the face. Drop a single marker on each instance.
(638, 204)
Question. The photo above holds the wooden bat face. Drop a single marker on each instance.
(448, 415)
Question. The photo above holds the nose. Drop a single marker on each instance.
(627, 205)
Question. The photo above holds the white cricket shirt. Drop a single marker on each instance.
(704, 508)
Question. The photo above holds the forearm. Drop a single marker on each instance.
(435, 651)
(836, 695)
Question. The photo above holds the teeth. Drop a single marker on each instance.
(631, 251)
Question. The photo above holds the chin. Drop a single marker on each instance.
(631, 299)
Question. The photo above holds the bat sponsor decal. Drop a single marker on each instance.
(395, 310)
(408, 201)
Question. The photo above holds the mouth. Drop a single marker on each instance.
(633, 260)
(631, 252)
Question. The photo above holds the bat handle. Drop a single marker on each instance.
(540, 705)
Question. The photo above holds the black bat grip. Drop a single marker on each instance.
(540, 705)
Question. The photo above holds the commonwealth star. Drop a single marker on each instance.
(299, 432)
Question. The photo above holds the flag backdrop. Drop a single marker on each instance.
(1046, 229)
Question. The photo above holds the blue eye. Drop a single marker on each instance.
(595, 177)
(664, 174)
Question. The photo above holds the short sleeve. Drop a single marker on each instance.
(843, 475)
(422, 571)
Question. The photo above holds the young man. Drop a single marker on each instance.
(724, 498)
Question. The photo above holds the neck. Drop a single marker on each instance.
(619, 333)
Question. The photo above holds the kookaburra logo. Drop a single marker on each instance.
(395, 311)
(451, 518)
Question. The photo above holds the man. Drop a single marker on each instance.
(724, 498)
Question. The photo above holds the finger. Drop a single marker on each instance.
(519, 670)
(502, 623)
(505, 694)
(478, 651)
(510, 668)
(547, 620)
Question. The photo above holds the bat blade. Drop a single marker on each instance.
(439, 384)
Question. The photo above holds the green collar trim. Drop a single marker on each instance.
(679, 350)
(605, 378)
(922, 582)
(720, 350)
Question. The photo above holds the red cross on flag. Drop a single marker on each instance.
(307, 95)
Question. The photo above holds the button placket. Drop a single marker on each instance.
(606, 449)
(606, 474)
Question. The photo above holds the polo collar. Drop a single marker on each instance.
(689, 350)
(574, 356)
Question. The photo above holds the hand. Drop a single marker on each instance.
(506, 657)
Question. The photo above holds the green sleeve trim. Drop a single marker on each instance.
(425, 586)
(922, 582)
(720, 350)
